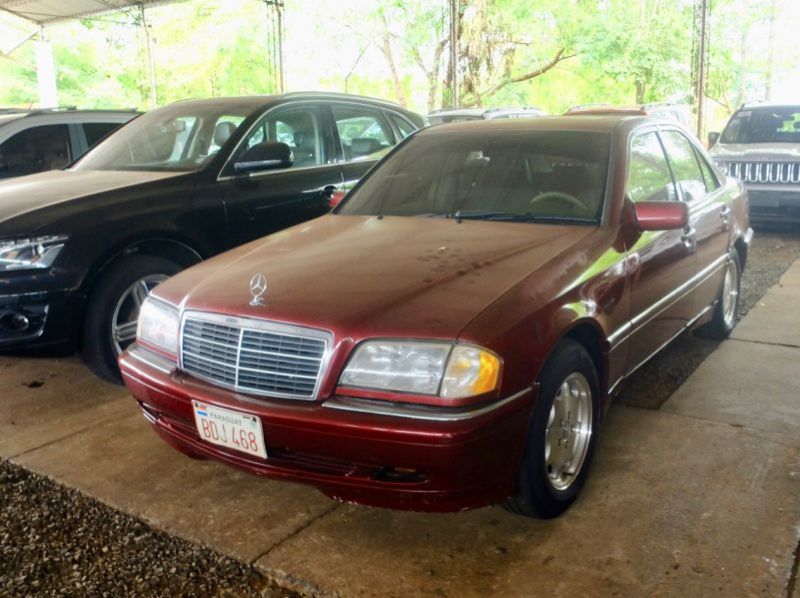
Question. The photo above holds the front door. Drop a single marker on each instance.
(260, 203)
(708, 213)
(660, 262)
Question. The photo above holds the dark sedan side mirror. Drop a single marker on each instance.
(661, 215)
(713, 137)
(265, 156)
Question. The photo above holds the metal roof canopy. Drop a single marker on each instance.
(47, 12)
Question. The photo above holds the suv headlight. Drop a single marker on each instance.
(158, 325)
(428, 368)
(31, 253)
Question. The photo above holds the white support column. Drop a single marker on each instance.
(46, 73)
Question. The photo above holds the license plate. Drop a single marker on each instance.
(232, 429)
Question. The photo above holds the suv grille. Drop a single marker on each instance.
(253, 356)
(764, 172)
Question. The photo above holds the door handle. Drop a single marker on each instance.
(725, 214)
(689, 238)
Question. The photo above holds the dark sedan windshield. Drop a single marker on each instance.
(180, 137)
(764, 125)
(521, 176)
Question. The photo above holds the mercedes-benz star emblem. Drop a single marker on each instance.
(258, 286)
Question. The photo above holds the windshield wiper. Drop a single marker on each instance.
(510, 217)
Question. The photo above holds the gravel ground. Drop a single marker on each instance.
(771, 253)
(54, 541)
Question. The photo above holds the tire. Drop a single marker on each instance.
(116, 297)
(726, 310)
(544, 491)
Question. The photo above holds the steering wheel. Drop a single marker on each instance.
(561, 196)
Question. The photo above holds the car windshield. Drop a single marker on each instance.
(517, 176)
(764, 125)
(180, 137)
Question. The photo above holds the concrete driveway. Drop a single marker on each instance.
(699, 498)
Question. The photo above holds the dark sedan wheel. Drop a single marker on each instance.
(726, 311)
(113, 310)
(562, 435)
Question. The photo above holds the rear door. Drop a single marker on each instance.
(660, 262)
(708, 213)
(263, 202)
(364, 136)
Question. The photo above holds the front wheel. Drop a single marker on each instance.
(112, 312)
(562, 435)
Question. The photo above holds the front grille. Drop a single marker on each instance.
(776, 173)
(253, 356)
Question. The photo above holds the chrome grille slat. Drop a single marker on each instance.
(254, 356)
(768, 172)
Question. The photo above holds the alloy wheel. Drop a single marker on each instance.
(568, 431)
(126, 312)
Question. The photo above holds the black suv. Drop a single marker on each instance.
(33, 141)
(81, 248)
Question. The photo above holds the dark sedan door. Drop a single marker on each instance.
(660, 262)
(260, 203)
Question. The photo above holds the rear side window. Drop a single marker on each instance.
(649, 178)
(685, 166)
(708, 174)
(35, 150)
(405, 127)
(364, 133)
(94, 132)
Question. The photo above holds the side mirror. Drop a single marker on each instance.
(661, 215)
(265, 156)
(713, 137)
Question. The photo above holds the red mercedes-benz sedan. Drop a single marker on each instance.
(449, 336)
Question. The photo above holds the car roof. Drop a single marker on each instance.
(591, 122)
(484, 111)
(256, 101)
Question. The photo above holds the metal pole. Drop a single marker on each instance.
(279, 8)
(702, 70)
(151, 69)
(454, 53)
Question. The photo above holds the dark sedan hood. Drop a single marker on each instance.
(390, 276)
(29, 193)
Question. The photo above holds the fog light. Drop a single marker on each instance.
(14, 322)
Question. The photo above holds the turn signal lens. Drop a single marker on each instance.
(470, 371)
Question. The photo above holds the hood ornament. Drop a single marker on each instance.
(258, 286)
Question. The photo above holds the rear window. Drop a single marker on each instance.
(764, 125)
(512, 176)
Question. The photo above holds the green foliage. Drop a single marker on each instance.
(588, 51)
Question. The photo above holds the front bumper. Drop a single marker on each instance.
(773, 204)
(29, 320)
(401, 459)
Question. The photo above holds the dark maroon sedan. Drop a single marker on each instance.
(450, 335)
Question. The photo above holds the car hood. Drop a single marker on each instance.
(756, 151)
(368, 276)
(29, 193)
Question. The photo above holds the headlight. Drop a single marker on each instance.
(31, 253)
(158, 325)
(429, 368)
(723, 168)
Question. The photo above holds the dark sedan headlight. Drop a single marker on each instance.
(31, 253)
(448, 370)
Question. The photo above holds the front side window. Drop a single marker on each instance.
(685, 166)
(649, 178)
(764, 125)
(523, 176)
(180, 137)
(299, 128)
(35, 150)
(364, 133)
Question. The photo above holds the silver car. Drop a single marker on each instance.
(760, 146)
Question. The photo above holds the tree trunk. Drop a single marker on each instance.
(386, 48)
